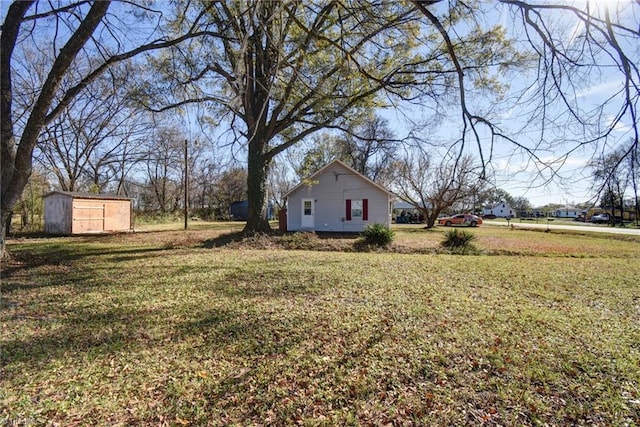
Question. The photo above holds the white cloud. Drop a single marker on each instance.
(606, 88)
(619, 127)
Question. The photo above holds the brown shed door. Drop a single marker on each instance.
(88, 216)
(117, 215)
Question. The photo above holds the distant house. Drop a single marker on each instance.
(567, 212)
(538, 213)
(239, 210)
(337, 198)
(500, 210)
(70, 213)
(405, 213)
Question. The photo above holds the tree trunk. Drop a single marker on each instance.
(430, 216)
(10, 190)
(17, 158)
(621, 211)
(257, 168)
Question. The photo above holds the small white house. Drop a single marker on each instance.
(82, 213)
(500, 210)
(567, 212)
(337, 198)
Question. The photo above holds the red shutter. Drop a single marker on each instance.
(365, 209)
(348, 216)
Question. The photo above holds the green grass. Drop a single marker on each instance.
(155, 328)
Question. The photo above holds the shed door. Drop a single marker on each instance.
(308, 214)
(88, 216)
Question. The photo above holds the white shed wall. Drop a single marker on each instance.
(57, 214)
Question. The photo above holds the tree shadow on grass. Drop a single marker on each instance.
(91, 333)
(244, 333)
(122, 329)
(61, 264)
(82, 332)
(104, 328)
(268, 341)
(223, 240)
(270, 283)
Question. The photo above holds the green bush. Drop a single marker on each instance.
(459, 241)
(377, 235)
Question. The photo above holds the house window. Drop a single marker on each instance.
(357, 209)
(307, 207)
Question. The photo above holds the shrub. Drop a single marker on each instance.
(459, 241)
(377, 235)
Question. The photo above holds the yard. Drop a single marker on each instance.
(196, 328)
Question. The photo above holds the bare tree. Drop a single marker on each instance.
(202, 190)
(86, 33)
(17, 157)
(574, 44)
(281, 71)
(164, 166)
(431, 187)
(89, 144)
(370, 148)
(230, 186)
(634, 172)
(279, 183)
(612, 177)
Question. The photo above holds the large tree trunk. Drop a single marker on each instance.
(430, 216)
(17, 158)
(11, 189)
(258, 168)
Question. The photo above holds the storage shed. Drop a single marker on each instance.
(83, 213)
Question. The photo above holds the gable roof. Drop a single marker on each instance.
(325, 167)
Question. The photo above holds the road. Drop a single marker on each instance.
(586, 227)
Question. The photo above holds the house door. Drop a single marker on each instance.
(308, 214)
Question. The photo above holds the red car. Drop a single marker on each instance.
(461, 219)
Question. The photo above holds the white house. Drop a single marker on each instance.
(338, 199)
(500, 210)
(567, 212)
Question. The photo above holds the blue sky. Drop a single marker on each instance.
(515, 171)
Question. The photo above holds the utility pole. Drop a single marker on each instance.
(186, 183)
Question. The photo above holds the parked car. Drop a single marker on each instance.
(605, 218)
(461, 219)
(489, 216)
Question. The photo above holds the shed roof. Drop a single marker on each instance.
(355, 172)
(79, 195)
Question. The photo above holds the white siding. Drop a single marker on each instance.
(567, 213)
(330, 190)
(501, 210)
